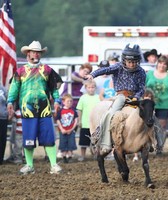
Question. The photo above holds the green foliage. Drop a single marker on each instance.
(58, 24)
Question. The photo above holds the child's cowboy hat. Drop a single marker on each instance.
(34, 46)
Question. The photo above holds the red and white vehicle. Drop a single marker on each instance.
(99, 42)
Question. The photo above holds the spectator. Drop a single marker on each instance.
(33, 83)
(149, 94)
(77, 82)
(113, 58)
(84, 107)
(107, 92)
(151, 57)
(67, 120)
(3, 122)
(157, 80)
(99, 80)
(18, 148)
(16, 138)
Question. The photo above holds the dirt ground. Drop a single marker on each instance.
(81, 180)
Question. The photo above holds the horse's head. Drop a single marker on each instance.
(146, 109)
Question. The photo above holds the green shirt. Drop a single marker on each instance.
(160, 89)
(33, 85)
(86, 104)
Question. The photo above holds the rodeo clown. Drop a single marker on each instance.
(33, 83)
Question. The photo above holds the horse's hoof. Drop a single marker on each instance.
(126, 181)
(125, 177)
(105, 181)
(151, 186)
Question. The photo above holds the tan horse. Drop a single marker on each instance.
(131, 131)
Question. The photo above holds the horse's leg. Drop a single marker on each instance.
(100, 159)
(122, 165)
(145, 165)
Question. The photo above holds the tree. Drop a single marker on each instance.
(59, 24)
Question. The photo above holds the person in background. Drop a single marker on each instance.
(16, 136)
(67, 120)
(16, 148)
(129, 81)
(149, 94)
(157, 81)
(78, 79)
(84, 107)
(107, 92)
(33, 83)
(10, 159)
(99, 80)
(114, 58)
(3, 121)
(151, 57)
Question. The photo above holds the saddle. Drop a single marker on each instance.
(126, 93)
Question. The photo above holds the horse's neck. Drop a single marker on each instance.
(135, 119)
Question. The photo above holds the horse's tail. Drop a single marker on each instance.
(117, 126)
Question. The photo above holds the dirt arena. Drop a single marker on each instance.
(81, 180)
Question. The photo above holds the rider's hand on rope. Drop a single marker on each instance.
(130, 99)
(134, 99)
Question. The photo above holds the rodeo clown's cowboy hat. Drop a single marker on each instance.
(152, 52)
(34, 46)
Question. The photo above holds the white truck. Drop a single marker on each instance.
(100, 42)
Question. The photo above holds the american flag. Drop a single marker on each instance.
(7, 44)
